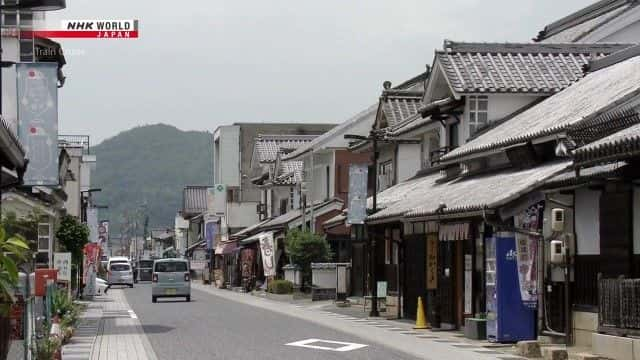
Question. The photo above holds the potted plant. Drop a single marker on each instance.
(12, 251)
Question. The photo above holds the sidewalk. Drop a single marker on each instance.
(109, 330)
(393, 334)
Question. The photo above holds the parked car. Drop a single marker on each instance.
(171, 279)
(120, 274)
(117, 260)
(144, 270)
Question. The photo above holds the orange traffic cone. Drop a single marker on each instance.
(421, 320)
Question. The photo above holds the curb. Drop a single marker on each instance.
(81, 344)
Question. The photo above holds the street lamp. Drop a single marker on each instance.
(376, 136)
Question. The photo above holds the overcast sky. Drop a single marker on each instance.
(202, 63)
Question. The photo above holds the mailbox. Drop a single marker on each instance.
(42, 277)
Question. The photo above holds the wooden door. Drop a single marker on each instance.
(358, 269)
(415, 274)
(616, 233)
(447, 265)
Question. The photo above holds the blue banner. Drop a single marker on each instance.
(38, 121)
(210, 233)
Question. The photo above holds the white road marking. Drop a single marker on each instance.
(132, 314)
(346, 346)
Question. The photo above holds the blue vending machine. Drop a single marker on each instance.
(508, 319)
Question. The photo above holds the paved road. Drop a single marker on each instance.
(211, 327)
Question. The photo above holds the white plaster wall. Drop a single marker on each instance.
(227, 156)
(242, 214)
(408, 161)
(498, 107)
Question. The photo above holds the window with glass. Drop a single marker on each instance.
(478, 112)
(43, 236)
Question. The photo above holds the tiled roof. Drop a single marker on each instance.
(268, 146)
(417, 120)
(597, 93)
(570, 177)
(400, 107)
(293, 215)
(248, 230)
(423, 197)
(194, 199)
(517, 68)
(621, 144)
(290, 172)
(336, 220)
(575, 26)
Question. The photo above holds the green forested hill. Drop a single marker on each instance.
(150, 164)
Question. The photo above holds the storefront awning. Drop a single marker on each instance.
(226, 248)
(255, 238)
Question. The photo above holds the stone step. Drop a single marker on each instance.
(554, 353)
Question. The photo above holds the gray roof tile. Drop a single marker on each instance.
(194, 199)
(575, 26)
(597, 93)
(517, 68)
(398, 108)
(423, 196)
(268, 146)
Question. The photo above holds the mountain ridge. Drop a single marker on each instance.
(150, 165)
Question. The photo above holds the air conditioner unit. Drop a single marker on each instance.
(557, 219)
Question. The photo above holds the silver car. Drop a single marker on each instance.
(120, 274)
(171, 279)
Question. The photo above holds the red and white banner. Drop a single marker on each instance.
(91, 29)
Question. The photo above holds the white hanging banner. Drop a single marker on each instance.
(268, 252)
(526, 253)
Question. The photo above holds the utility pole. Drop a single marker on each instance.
(375, 137)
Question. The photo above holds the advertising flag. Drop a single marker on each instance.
(210, 232)
(358, 175)
(38, 120)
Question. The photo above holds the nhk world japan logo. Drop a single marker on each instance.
(96, 29)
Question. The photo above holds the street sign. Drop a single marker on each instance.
(358, 178)
(62, 262)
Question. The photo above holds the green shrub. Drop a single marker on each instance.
(280, 287)
(61, 303)
(47, 347)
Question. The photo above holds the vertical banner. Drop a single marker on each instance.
(358, 176)
(211, 231)
(527, 251)
(92, 223)
(268, 254)
(62, 262)
(91, 258)
(38, 120)
(103, 236)
(432, 261)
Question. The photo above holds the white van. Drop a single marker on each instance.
(117, 259)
